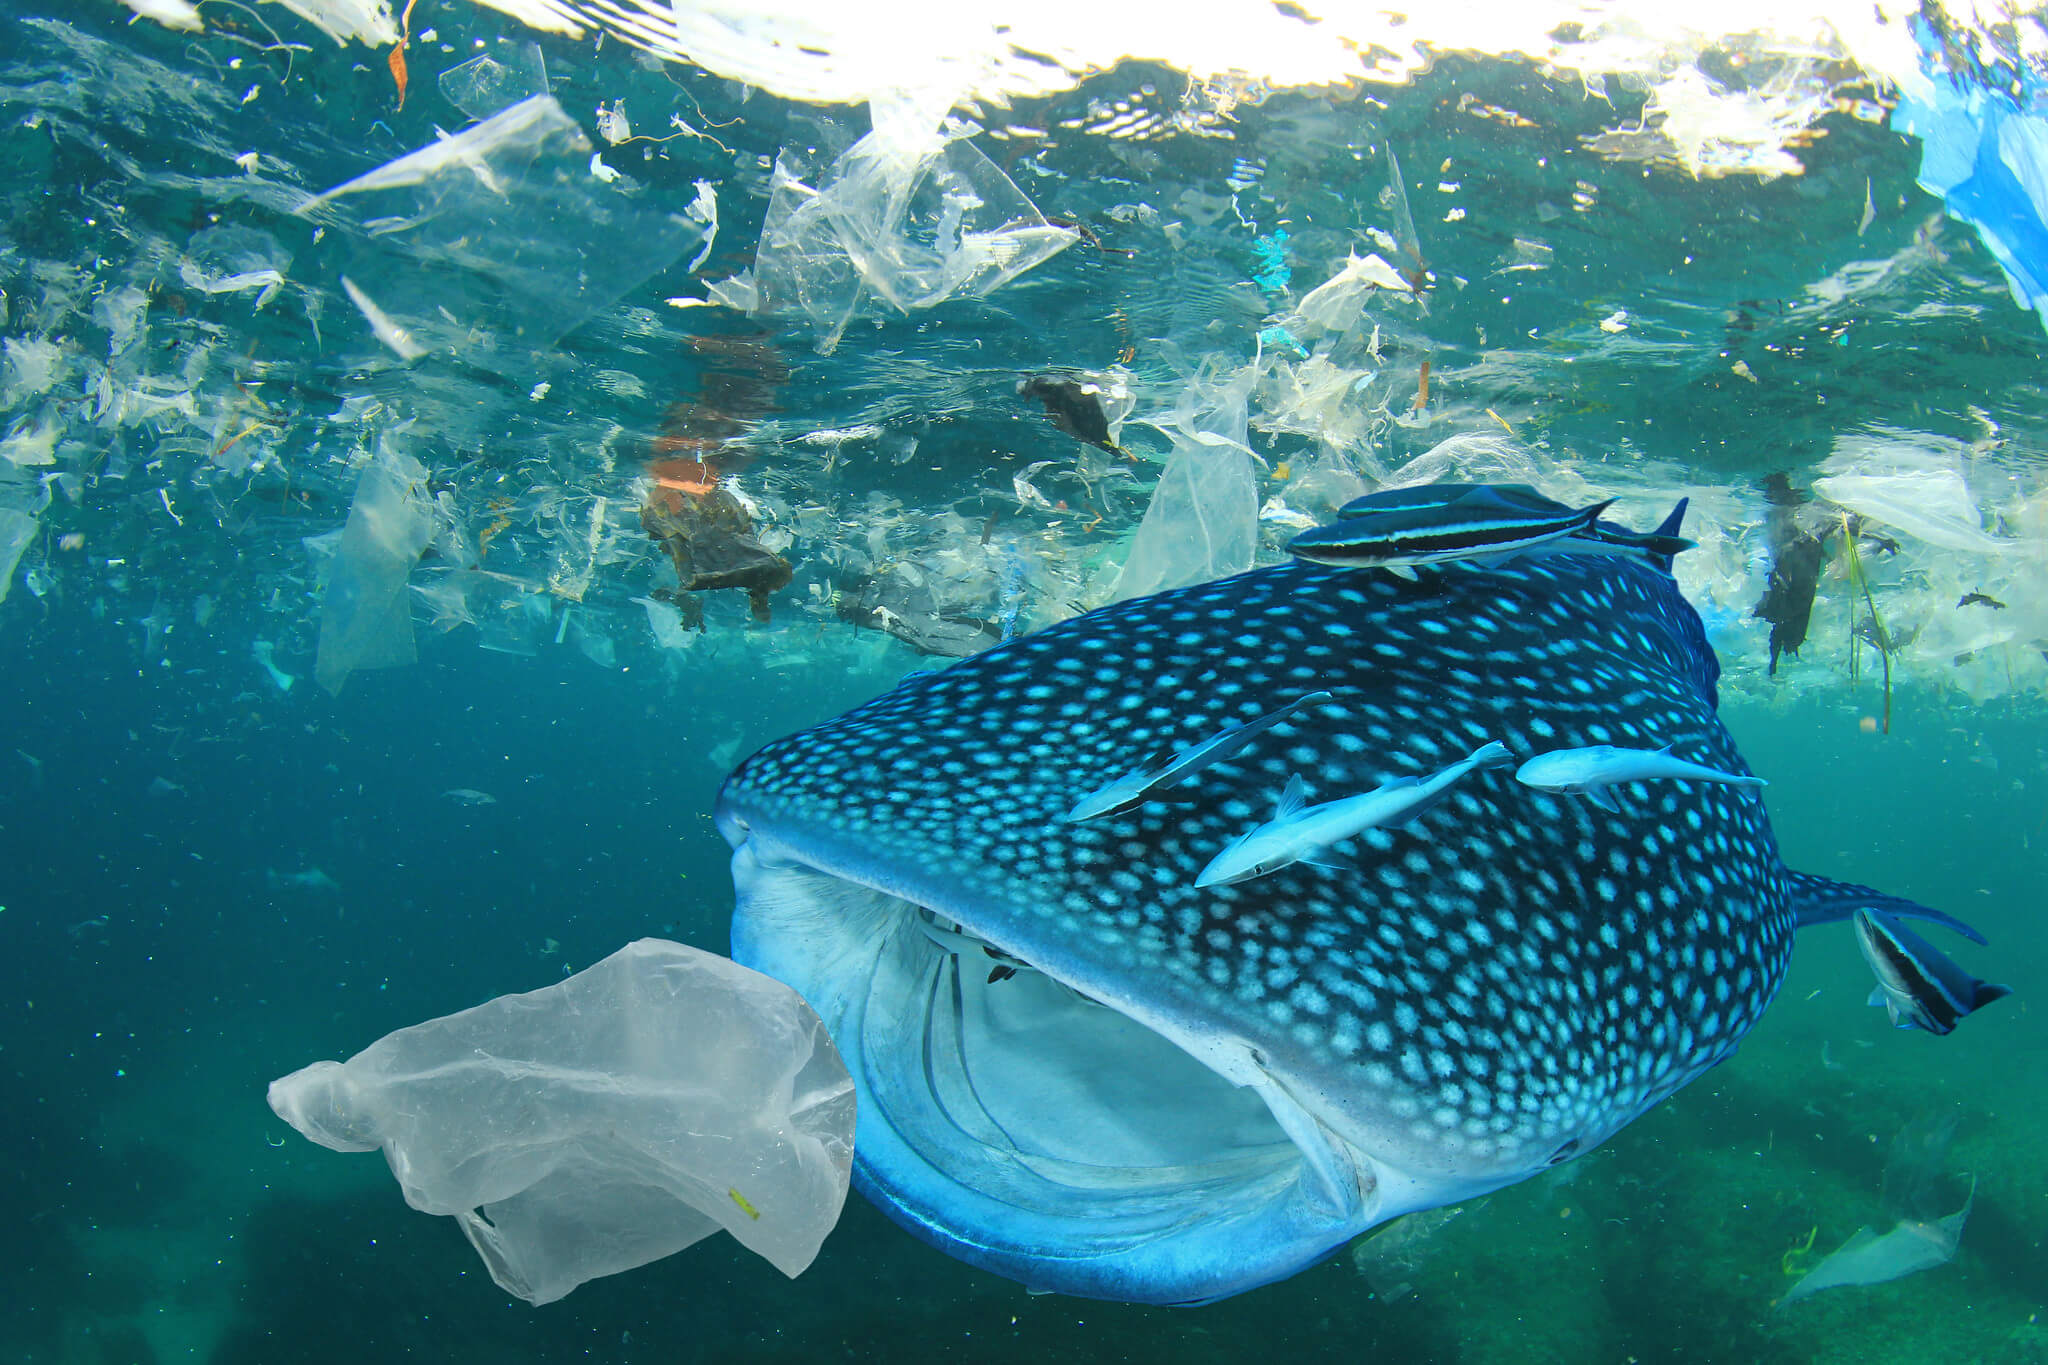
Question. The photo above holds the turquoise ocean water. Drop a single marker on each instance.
(215, 869)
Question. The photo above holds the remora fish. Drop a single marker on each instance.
(1589, 771)
(1600, 536)
(1299, 831)
(1918, 985)
(1145, 784)
(1197, 1092)
(1477, 524)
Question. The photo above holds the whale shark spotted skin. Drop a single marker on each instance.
(1168, 1094)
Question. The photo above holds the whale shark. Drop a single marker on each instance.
(1081, 1070)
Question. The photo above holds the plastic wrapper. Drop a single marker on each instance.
(234, 260)
(483, 85)
(1337, 304)
(606, 1121)
(908, 216)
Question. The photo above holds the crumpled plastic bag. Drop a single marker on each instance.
(606, 1121)
(910, 215)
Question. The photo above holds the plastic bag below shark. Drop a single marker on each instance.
(606, 1121)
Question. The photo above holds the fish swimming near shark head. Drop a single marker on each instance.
(1181, 1092)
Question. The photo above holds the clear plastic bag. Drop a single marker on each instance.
(606, 1121)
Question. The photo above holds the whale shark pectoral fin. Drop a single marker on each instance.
(1823, 900)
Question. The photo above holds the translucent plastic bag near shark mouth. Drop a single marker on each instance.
(606, 1121)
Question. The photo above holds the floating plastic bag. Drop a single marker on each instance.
(1910, 481)
(1337, 304)
(17, 529)
(606, 1121)
(1868, 1258)
(499, 239)
(1203, 520)
(365, 614)
(1983, 156)
(482, 86)
(911, 214)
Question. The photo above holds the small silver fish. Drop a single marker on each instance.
(1297, 831)
(1589, 771)
(470, 796)
(1917, 984)
(1146, 784)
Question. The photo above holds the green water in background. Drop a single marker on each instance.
(158, 967)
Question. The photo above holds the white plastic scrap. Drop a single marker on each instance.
(704, 208)
(175, 14)
(1912, 482)
(612, 124)
(368, 21)
(1337, 304)
(387, 331)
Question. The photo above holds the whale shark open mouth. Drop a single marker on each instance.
(1023, 1124)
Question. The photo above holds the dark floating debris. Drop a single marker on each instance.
(1086, 406)
(1796, 560)
(710, 539)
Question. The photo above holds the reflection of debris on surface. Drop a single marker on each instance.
(1089, 407)
(710, 537)
(738, 386)
(706, 530)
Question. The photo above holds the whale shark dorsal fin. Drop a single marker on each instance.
(1292, 799)
(1672, 524)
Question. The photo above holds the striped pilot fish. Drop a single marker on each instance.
(1402, 529)
(1917, 984)
(1169, 1093)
